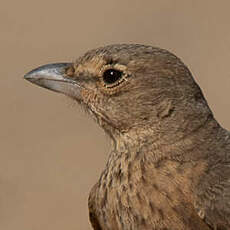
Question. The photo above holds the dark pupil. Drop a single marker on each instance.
(110, 76)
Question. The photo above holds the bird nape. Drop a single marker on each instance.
(169, 167)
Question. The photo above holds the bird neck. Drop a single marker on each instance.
(142, 166)
(183, 143)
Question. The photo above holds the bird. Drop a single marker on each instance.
(169, 165)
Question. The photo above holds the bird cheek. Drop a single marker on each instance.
(89, 97)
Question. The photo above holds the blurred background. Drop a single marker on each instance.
(51, 153)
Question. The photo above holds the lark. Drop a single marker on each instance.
(169, 168)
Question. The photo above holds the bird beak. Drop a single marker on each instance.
(53, 77)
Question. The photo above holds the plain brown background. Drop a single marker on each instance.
(51, 152)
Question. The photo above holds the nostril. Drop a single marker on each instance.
(70, 71)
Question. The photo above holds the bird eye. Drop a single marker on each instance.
(110, 76)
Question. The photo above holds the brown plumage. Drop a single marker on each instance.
(170, 163)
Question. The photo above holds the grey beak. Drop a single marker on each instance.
(52, 76)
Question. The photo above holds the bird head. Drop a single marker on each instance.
(128, 87)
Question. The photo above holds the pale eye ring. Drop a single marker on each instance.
(111, 76)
